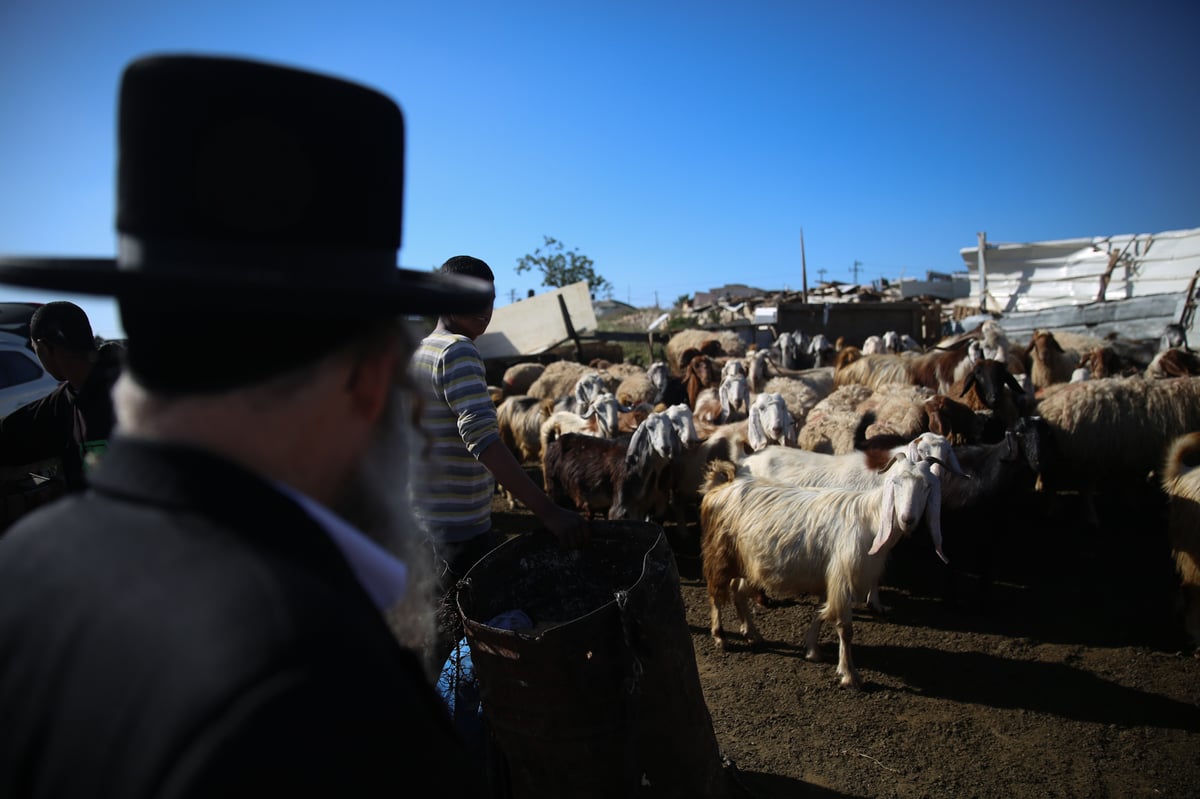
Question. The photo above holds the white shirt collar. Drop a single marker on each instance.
(383, 576)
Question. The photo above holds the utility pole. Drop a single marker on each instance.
(821, 273)
(854, 269)
(803, 270)
(512, 295)
(982, 259)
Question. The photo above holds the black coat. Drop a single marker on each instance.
(182, 629)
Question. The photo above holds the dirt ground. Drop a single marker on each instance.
(1074, 680)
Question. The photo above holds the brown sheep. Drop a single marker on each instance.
(1048, 362)
(1173, 362)
(701, 373)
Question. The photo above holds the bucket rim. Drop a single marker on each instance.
(464, 584)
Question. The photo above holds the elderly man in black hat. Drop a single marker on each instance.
(209, 618)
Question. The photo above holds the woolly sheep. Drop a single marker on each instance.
(519, 377)
(620, 371)
(874, 371)
(1111, 433)
(899, 410)
(797, 395)
(520, 421)
(727, 342)
(1181, 482)
(636, 388)
(558, 380)
(759, 535)
(829, 426)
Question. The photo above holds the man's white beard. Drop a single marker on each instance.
(377, 500)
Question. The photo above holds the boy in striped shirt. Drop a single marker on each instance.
(454, 498)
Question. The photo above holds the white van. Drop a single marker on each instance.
(22, 377)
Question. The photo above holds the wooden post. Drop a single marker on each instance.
(1113, 259)
(1189, 305)
(562, 305)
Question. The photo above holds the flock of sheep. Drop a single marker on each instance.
(807, 461)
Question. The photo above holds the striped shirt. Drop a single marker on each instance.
(454, 499)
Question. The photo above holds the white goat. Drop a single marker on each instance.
(852, 470)
(801, 468)
(733, 368)
(770, 422)
(759, 535)
(734, 394)
(821, 350)
(681, 418)
(601, 417)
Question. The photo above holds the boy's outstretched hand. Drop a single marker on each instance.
(569, 527)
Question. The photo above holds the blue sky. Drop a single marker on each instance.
(680, 145)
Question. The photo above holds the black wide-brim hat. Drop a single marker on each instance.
(251, 187)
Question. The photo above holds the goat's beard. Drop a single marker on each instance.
(376, 498)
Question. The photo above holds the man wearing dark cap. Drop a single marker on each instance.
(208, 618)
(76, 415)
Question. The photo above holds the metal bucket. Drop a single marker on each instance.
(601, 698)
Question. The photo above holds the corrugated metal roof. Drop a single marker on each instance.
(1048, 274)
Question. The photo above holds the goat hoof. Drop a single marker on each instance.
(850, 681)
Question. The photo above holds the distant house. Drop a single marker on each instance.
(937, 285)
(607, 308)
(728, 292)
